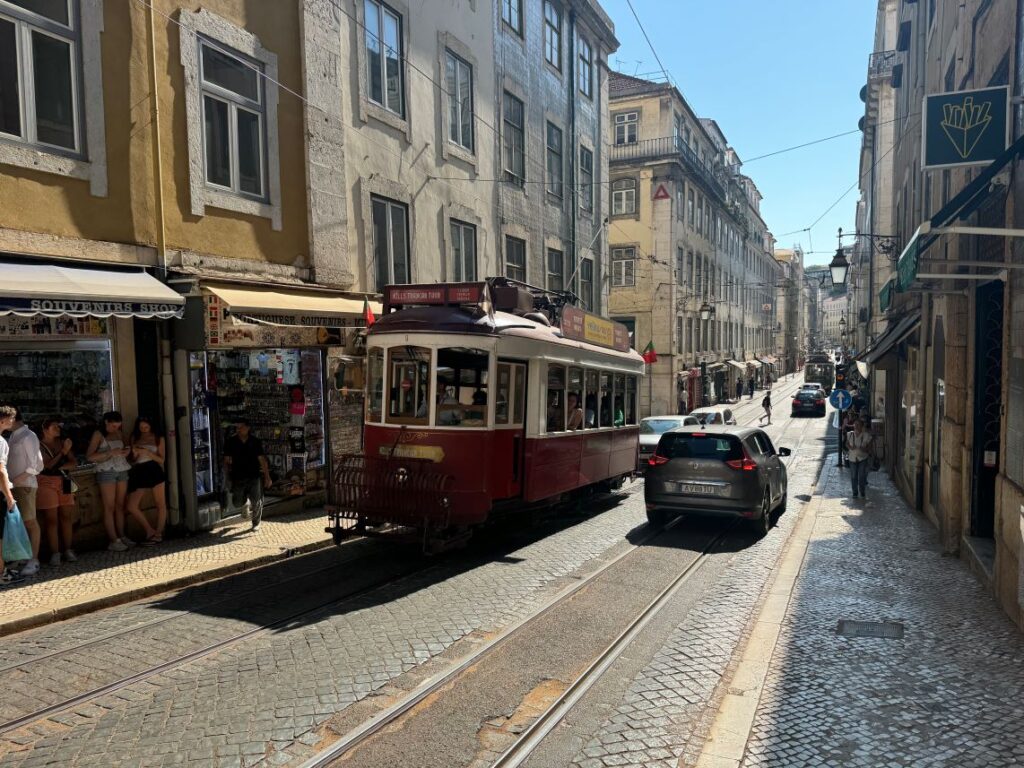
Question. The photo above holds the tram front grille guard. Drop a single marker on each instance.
(381, 489)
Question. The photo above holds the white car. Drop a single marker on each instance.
(715, 414)
(653, 427)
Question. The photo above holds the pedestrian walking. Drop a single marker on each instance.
(56, 499)
(739, 389)
(750, 387)
(7, 502)
(766, 403)
(147, 473)
(858, 444)
(245, 464)
(108, 449)
(24, 465)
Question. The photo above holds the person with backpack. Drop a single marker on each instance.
(766, 403)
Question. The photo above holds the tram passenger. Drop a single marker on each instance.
(590, 414)
(556, 416)
(620, 416)
(575, 412)
(448, 411)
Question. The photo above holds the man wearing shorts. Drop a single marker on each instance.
(7, 576)
(25, 462)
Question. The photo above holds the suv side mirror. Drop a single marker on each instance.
(785, 452)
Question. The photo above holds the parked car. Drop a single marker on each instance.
(811, 386)
(809, 402)
(653, 427)
(714, 414)
(718, 471)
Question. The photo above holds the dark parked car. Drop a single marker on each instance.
(809, 402)
(719, 471)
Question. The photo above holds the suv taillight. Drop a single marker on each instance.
(796, 401)
(657, 461)
(819, 402)
(746, 464)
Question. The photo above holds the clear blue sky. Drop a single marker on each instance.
(772, 73)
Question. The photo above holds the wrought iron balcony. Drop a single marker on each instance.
(670, 147)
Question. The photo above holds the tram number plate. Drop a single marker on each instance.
(704, 490)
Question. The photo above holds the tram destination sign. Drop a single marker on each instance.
(580, 325)
(434, 294)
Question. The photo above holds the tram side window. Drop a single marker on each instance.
(520, 390)
(556, 398)
(375, 385)
(619, 411)
(590, 401)
(605, 403)
(631, 399)
(408, 385)
(503, 394)
(462, 387)
(574, 400)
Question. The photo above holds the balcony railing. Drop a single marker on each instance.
(670, 147)
(880, 64)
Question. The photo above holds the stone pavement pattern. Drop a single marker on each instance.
(660, 712)
(950, 693)
(105, 574)
(257, 703)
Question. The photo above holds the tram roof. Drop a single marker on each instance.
(458, 320)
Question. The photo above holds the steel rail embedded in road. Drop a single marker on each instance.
(382, 719)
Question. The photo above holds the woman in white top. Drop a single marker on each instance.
(108, 450)
(858, 444)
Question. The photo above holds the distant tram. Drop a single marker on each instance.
(484, 399)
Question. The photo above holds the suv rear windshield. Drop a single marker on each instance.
(700, 446)
(658, 426)
(807, 395)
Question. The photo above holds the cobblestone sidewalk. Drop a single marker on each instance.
(101, 579)
(949, 693)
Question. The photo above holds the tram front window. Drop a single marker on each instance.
(408, 385)
(375, 385)
(461, 386)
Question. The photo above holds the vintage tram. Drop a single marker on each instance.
(484, 399)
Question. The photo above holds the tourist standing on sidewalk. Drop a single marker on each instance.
(248, 472)
(766, 403)
(25, 463)
(7, 501)
(739, 389)
(858, 444)
(750, 387)
(109, 450)
(55, 499)
(147, 473)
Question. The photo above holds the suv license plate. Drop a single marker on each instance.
(704, 490)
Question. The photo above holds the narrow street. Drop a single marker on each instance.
(276, 665)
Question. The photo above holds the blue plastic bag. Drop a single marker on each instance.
(16, 542)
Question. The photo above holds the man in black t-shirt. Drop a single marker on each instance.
(247, 470)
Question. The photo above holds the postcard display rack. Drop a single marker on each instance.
(280, 392)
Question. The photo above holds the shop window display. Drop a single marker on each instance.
(280, 392)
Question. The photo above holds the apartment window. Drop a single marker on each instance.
(626, 127)
(39, 76)
(680, 197)
(552, 35)
(586, 179)
(384, 56)
(463, 251)
(623, 267)
(390, 241)
(700, 216)
(234, 122)
(698, 280)
(680, 265)
(514, 139)
(630, 323)
(689, 333)
(586, 74)
(515, 258)
(459, 83)
(556, 270)
(679, 335)
(689, 208)
(512, 14)
(587, 283)
(554, 158)
(623, 197)
(689, 268)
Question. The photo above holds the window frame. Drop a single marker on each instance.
(629, 122)
(552, 37)
(509, 263)
(587, 283)
(391, 206)
(385, 9)
(586, 68)
(626, 257)
(510, 131)
(586, 179)
(390, 378)
(458, 229)
(547, 269)
(624, 197)
(514, 8)
(553, 187)
(455, 104)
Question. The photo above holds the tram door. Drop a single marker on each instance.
(510, 420)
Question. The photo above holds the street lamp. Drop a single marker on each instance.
(706, 311)
(839, 266)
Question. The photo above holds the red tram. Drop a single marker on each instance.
(485, 398)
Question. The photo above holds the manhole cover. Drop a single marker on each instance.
(890, 630)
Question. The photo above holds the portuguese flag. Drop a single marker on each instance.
(650, 356)
(368, 313)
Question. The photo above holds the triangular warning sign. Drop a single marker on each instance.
(661, 193)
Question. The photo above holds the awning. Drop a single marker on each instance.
(55, 291)
(715, 366)
(742, 367)
(271, 306)
(893, 336)
(966, 202)
(768, 360)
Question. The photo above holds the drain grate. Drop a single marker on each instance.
(889, 630)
